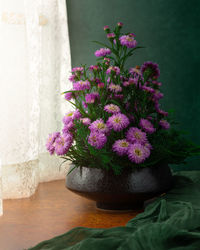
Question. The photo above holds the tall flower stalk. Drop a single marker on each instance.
(117, 122)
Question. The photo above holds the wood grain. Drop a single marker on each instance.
(51, 211)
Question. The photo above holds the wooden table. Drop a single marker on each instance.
(51, 211)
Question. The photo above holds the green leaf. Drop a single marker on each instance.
(102, 44)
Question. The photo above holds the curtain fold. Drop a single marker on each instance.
(35, 63)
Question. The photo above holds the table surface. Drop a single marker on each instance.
(51, 211)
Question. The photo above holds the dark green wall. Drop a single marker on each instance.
(170, 31)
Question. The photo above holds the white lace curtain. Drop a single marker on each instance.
(34, 69)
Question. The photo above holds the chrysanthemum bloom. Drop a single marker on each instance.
(72, 78)
(81, 85)
(99, 126)
(110, 35)
(157, 95)
(120, 24)
(160, 111)
(92, 97)
(85, 121)
(164, 124)
(118, 122)
(147, 126)
(120, 147)
(148, 89)
(128, 41)
(126, 83)
(94, 68)
(68, 96)
(50, 142)
(107, 61)
(97, 140)
(67, 127)
(118, 96)
(78, 69)
(62, 145)
(135, 70)
(135, 135)
(138, 153)
(157, 83)
(151, 69)
(68, 117)
(102, 52)
(76, 114)
(114, 88)
(112, 109)
(100, 85)
(106, 27)
(134, 80)
(113, 69)
(148, 145)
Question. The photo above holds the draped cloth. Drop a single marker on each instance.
(171, 222)
(35, 65)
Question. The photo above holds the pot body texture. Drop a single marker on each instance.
(128, 190)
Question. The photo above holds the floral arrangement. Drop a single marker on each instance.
(118, 122)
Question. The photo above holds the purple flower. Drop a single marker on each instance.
(113, 69)
(68, 117)
(72, 78)
(120, 24)
(150, 69)
(99, 126)
(118, 96)
(84, 104)
(50, 142)
(128, 41)
(157, 95)
(135, 70)
(112, 109)
(67, 127)
(148, 89)
(120, 147)
(106, 27)
(118, 122)
(110, 35)
(81, 85)
(160, 111)
(76, 114)
(147, 126)
(114, 88)
(68, 96)
(135, 135)
(137, 153)
(85, 121)
(100, 85)
(164, 124)
(62, 145)
(102, 52)
(78, 70)
(94, 68)
(126, 83)
(97, 140)
(91, 98)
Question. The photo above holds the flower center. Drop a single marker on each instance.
(100, 125)
(137, 135)
(138, 152)
(117, 120)
(124, 144)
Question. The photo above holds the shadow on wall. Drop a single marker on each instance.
(170, 31)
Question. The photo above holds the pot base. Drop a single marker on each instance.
(120, 207)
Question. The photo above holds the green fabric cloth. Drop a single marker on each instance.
(170, 222)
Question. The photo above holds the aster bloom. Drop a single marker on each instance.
(120, 24)
(78, 70)
(118, 122)
(112, 109)
(62, 145)
(99, 126)
(68, 117)
(50, 142)
(81, 85)
(110, 35)
(157, 95)
(135, 70)
(160, 111)
(102, 52)
(76, 114)
(147, 126)
(134, 80)
(94, 68)
(150, 69)
(114, 88)
(126, 83)
(106, 27)
(97, 140)
(113, 69)
(68, 96)
(128, 41)
(137, 153)
(164, 124)
(72, 78)
(85, 121)
(67, 127)
(100, 85)
(120, 147)
(135, 135)
(92, 97)
(148, 89)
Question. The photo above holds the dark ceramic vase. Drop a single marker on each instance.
(120, 192)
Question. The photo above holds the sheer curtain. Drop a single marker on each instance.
(35, 66)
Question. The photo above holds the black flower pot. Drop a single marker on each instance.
(120, 192)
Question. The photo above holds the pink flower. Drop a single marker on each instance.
(111, 108)
(120, 147)
(135, 135)
(97, 140)
(85, 121)
(128, 41)
(137, 153)
(81, 85)
(99, 126)
(113, 69)
(114, 88)
(118, 122)
(102, 52)
(147, 126)
(164, 124)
